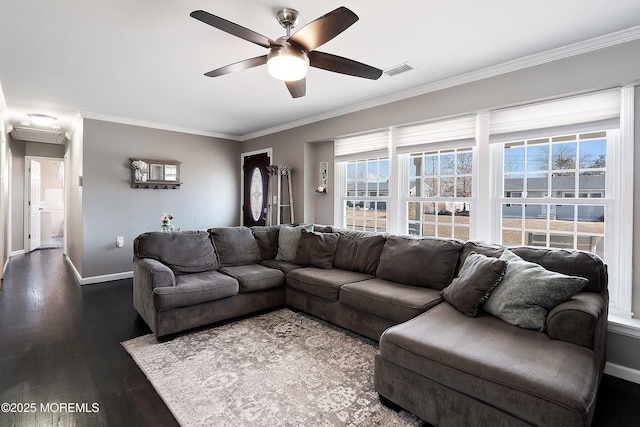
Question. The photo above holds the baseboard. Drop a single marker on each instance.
(106, 278)
(16, 253)
(4, 268)
(96, 279)
(623, 372)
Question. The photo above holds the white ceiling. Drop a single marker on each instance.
(143, 61)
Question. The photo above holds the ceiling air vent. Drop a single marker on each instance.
(398, 69)
(38, 135)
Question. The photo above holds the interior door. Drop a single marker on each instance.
(256, 185)
(34, 205)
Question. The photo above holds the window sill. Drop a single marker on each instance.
(624, 326)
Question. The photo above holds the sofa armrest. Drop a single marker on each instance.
(149, 273)
(576, 320)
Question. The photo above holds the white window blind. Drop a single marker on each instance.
(436, 135)
(596, 111)
(373, 144)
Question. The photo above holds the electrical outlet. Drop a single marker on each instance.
(119, 241)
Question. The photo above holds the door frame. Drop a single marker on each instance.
(27, 197)
(269, 153)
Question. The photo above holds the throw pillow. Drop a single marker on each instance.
(528, 292)
(288, 239)
(478, 276)
(316, 249)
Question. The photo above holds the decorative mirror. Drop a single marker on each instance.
(155, 174)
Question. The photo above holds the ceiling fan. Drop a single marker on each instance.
(290, 56)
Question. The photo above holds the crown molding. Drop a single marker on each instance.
(161, 126)
(529, 61)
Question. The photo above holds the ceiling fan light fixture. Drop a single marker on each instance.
(287, 64)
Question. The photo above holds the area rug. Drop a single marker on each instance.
(281, 368)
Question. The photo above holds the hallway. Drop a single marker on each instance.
(60, 343)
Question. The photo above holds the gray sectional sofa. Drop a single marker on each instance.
(459, 344)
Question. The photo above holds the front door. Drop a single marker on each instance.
(256, 184)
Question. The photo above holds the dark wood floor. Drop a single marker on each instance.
(60, 343)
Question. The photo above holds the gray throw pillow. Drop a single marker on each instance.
(528, 292)
(288, 239)
(478, 276)
(235, 246)
(316, 249)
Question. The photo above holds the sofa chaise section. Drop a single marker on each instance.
(451, 369)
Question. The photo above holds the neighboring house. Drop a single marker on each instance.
(589, 186)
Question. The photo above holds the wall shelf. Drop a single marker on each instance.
(157, 175)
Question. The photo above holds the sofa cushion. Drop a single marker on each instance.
(528, 291)
(196, 288)
(255, 277)
(359, 251)
(284, 266)
(391, 301)
(316, 249)
(419, 261)
(323, 283)
(516, 370)
(181, 251)
(235, 245)
(288, 240)
(267, 240)
(478, 276)
(569, 262)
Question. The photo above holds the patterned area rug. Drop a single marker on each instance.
(276, 369)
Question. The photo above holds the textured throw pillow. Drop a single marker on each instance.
(316, 249)
(478, 276)
(528, 291)
(288, 239)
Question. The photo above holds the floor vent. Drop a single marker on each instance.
(398, 69)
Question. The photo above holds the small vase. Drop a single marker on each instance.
(138, 174)
(166, 227)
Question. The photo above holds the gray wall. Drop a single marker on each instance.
(209, 195)
(605, 68)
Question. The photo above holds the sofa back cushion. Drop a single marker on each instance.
(181, 251)
(359, 251)
(429, 262)
(235, 246)
(267, 239)
(569, 262)
(316, 249)
(288, 239)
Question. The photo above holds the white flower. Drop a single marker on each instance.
(165, 218)
(139, 164)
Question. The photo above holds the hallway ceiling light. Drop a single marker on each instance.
(42, 119)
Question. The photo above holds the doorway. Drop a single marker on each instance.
(44, 199)
(255, 185)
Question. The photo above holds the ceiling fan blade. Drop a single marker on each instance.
(238, 66)
(233, 29)
(338, 64)
(318, 32)
(298, 88)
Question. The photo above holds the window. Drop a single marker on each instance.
(364, 204)
(546, 174)
(363, 172)
(440, 188)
